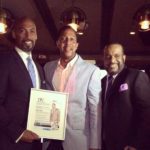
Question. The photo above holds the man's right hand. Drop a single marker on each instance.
(29, 136)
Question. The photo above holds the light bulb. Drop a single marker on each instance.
(74, 26)
(2, 28)
(144, 25)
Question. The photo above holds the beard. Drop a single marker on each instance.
(27, 45)
(114, 69)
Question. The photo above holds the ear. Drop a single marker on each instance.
(13, 35)
(77, 44)
(124, 58)
(57, 44)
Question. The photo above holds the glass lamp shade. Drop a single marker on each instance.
(74, 17)
(3, 26)
(144, 25)
(6, 20)
(142, 17)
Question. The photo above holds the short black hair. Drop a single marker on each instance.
(115, 43)
(20, 20)
(62, 29)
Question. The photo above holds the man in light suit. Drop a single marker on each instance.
(15, 86)
(126, 108)
(71, 74)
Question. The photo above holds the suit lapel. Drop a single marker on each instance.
(104, 80)
(52, 75)
(41, 76)
(22, 66)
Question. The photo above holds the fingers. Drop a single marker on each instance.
(126, 148)
(29, 136)
(129, 148)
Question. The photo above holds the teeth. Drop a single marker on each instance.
(28, 42)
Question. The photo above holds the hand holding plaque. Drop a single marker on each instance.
(47, 113)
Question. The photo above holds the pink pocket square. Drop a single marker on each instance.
(123, 87)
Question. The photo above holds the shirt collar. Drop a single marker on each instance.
(24, 55)
(71, 63)
(114, 76)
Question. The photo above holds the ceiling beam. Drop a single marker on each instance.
(107, 16)
(47, 17)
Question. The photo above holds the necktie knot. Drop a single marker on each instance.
(29, 59)
(31, 70)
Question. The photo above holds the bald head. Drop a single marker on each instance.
(21, 20)
(114, 58)
(25, 34)
(114, 46)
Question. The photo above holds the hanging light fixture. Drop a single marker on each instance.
(76, 18)
(6, 19)
(142, 17)
(3, 25)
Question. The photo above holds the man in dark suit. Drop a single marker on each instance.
(126, 105)
(15, 86)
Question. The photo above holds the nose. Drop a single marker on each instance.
(27, 35)
(112, 59)
(67, 40)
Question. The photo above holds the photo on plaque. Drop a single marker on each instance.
(47, 113)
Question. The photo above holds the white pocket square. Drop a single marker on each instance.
(123, 87)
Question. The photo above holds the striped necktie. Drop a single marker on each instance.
(31, 70)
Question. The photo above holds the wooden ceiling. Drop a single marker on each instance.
(108, 21)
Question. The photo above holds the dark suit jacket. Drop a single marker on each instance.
(15, 85)
(126, 111)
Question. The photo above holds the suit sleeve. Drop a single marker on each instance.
(7, 124)
(142, 107)
(95, 109)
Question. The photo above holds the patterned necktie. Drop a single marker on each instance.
(31, 71)
(110, 82)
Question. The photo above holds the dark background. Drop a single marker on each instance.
(108, 21)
